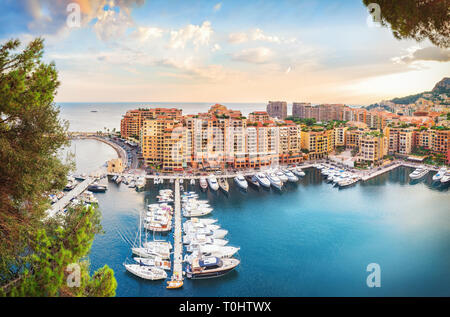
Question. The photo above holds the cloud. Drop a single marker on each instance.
(236, 38)
(431, 53)
(257, 35)
(193, 70)
(216, 47)
(198, 34)
(259, 55)
(217, 7)
(143, 33)
(112, 25)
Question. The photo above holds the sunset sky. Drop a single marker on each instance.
(224, 51)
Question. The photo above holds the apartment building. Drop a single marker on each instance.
(440, 142)
(258, 116)
(301, 110)
(277, 109)
(372, 147)
(318, 144)
(132, 122)
(339, 135)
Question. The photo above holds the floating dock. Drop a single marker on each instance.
(177, 239)
(65, 200)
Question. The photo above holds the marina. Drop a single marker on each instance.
(255, 203)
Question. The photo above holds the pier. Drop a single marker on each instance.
(65, 200)
(177, 240)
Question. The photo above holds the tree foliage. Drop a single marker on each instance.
(417, 19)
(35, 251)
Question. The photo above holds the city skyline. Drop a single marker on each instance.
(225, 51)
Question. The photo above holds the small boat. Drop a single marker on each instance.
(146, 272)
(118, 180)
(418, 173)
(88, 198)
(174, 283)
(203, 183)
(223, 184)
(439, 174)
(212, 182)
(241, 182)
(149, 252)
(215, 250)
(210, 267)
(199, 239)
(252, 181)
(263, 180)
(206, 221)
(154, 261)
(97, 188)
(196, 212)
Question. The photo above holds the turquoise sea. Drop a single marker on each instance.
(310, 240)
(108, 115)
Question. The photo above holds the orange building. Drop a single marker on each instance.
(133, 120)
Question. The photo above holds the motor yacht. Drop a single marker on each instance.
(223, 184)
(275, 181)
(203, 183)
(146, 272)
(263, 180)
(290, 176)
(298, 172)
(252, 181)
(212, 182)
(439, 174)
(281, 176)
(154, 261)
(418, 173)
(210, 267)
(241, 182)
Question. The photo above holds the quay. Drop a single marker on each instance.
(65, 200)
(178, 243)
(120, 151)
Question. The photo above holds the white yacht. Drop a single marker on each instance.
(298, 172)
(263, 180)
(446, 178)
(275, 181)
(281, 176)
(290, 176)
(212, 182)
(200, 239)
(144, 252)
(206, 221)
(146, 272)
(418, 173)
(241, 182)
(216, 250)
(154, 261)
(439, 174)
(203, 183)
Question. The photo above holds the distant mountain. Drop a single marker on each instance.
(442, 87)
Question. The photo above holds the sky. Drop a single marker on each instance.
(325, 51)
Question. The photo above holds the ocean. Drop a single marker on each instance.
(108, 115)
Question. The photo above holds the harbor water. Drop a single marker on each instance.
(312, 239)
